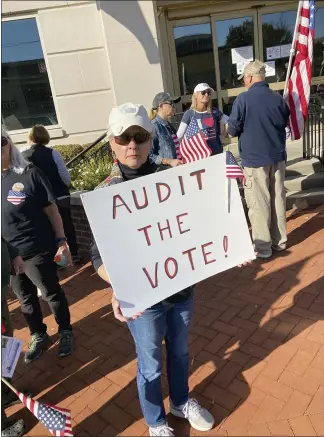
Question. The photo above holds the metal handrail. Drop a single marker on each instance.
(83, 153)
(313, 138)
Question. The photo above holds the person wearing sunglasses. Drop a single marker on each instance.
(165, 146)
(31, 223)
(130, 136)
(209, 121)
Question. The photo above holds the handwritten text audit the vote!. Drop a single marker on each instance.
(164, 230)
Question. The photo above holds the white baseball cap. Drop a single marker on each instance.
(126, 115)
(202, 87)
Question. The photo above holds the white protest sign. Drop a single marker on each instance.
(161, 233)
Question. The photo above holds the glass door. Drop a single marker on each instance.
(236, 43)
(193, 57)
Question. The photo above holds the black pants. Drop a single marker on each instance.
(64, 207)
(41, 272)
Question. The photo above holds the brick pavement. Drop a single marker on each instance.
(257, 347)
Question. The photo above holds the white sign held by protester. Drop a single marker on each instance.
(161, 233)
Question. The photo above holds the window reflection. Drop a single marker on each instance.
(234, 34)
(195, 58)
(26, 93)
(277, 33)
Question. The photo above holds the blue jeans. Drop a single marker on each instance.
(169, 322)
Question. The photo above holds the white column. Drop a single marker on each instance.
(132, 45)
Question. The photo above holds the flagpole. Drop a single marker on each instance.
(9, 385)
(293, 50)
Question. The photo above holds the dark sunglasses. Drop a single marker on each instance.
(169, 103)
(206, 92)
(4, 141)
(139, 138)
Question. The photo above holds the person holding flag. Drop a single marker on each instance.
(201, 127)
(259, 118)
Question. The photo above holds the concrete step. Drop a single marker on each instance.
(305, 198)
(304, 167)
(304, 182)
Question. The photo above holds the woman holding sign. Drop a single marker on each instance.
(130, 135)
(203, 119)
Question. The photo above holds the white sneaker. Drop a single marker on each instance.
(198, 417)
(163, 430)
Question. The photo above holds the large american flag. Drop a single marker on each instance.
(299, 83)
(233, 170)
(56, 420)
(194, 145)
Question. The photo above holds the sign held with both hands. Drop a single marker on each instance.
(162, 233)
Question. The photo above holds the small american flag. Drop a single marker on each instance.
(194, 145)
(177, 145)
(299, 83)
(56, 420)
(233, 170)
(16, 197)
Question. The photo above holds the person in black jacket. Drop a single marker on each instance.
(51, 163)
(31, 223)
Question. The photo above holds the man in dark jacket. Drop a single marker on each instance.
(259, 118)
(9, 258)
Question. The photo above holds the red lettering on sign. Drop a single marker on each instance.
(159, 193)
(189, 253)
(167, 228)
(175, 266)
(181, 185)
(198, 174)
(115, 206)
(145, 228)
(138, 206)
(205, 254)
(181, 223)
(155, 283)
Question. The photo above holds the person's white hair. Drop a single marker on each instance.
(17, 162)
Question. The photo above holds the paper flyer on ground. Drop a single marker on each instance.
(10, 351)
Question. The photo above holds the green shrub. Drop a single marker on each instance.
(69, 151)
(88, 175)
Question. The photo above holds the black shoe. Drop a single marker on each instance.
(14, 429)
(11, 398)
(66, 344)
(38, 344)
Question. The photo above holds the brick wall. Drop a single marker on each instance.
(82, 227)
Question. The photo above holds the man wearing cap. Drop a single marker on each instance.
(259, 118)
(165, 146)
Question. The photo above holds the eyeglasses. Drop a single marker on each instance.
(4, 141)
(169, 103)
(139, 138)
(206, 92)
